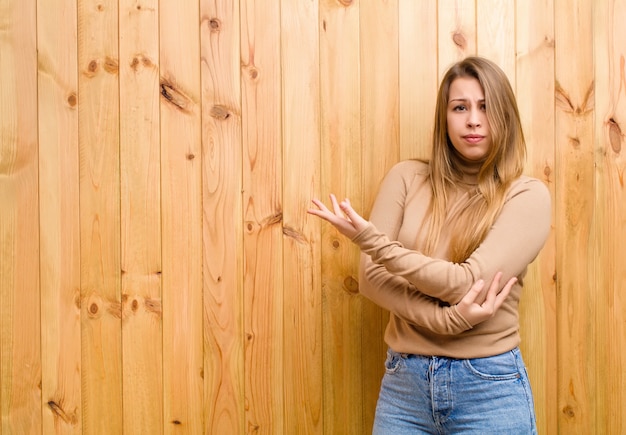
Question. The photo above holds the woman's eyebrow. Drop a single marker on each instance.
(463, 99)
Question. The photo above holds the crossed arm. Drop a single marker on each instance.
(479, 304)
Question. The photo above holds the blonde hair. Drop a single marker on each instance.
(502, 165)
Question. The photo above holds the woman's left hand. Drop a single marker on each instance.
(343, 217)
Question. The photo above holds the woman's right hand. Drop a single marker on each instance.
(474, 311)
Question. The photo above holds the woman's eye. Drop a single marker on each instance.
(459, 108)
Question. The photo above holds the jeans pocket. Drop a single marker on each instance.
(393, 361)
(496, 368)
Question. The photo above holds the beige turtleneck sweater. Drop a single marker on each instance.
(417, 289)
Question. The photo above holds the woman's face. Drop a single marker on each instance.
(468, 127)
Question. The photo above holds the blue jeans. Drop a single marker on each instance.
(438, 395)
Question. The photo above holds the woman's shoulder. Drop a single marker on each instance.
(408, 173)
(530, 186)
(411, 168)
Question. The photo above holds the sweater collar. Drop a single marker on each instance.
(467, 170)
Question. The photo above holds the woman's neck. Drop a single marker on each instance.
(467, 170)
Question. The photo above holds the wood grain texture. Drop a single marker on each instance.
(140, 193)
(456, 32)
(380, 150)
(418, 82)
(158, 272)
(20, 320)
(535, 96)
(610, 214)
(340, 174)
(263, 217)
(495, 33)
(100, 216)
(59, 218)
(302, 308)
(576, 299)
(222, 218)
(181, 214)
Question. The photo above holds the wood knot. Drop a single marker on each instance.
(111, 65)
(153, 306)
(351, 285)
(547, 171)
(134, 305)
(568, 411)
(574, 141)
(215, 24)
(615, 136)
(115, 309)
(459, 40)
(191, 156)
(93, 309)
(176, 97)
(336, 244)
(92, 67)
(219, 112)
(294, 234)
(100, 7)
(72, 99)
(59, 412)
(253, 73)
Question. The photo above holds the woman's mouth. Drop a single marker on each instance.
(473, 138)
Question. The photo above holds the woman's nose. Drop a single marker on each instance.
(473, 119)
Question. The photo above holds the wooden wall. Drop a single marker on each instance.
(158, 272)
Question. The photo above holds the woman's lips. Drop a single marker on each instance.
(473, 138)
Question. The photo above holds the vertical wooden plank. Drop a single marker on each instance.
(263, 216)
(418, 76)
(535, 97)
(59, 217)
(20, 356)
(495, 33)
(576, 287)
(222, 217)
(380, 145)
(301, 137)
(100, 216)
(142, 350)
(610, 215)
(181, 204)
(340, 174)
(457, 31)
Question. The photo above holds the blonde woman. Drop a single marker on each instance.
(437, 232)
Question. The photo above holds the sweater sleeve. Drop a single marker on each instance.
(511, 245)
(399, 297)
(395, 293)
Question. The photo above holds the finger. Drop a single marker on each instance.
(320, 204)
(474, 291)
(357, 220)
(501, 297)
(494, 288)
(335, 204)
(321, 209)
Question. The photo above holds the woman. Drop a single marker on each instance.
(437, 231)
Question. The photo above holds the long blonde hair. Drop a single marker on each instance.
(502, 165)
